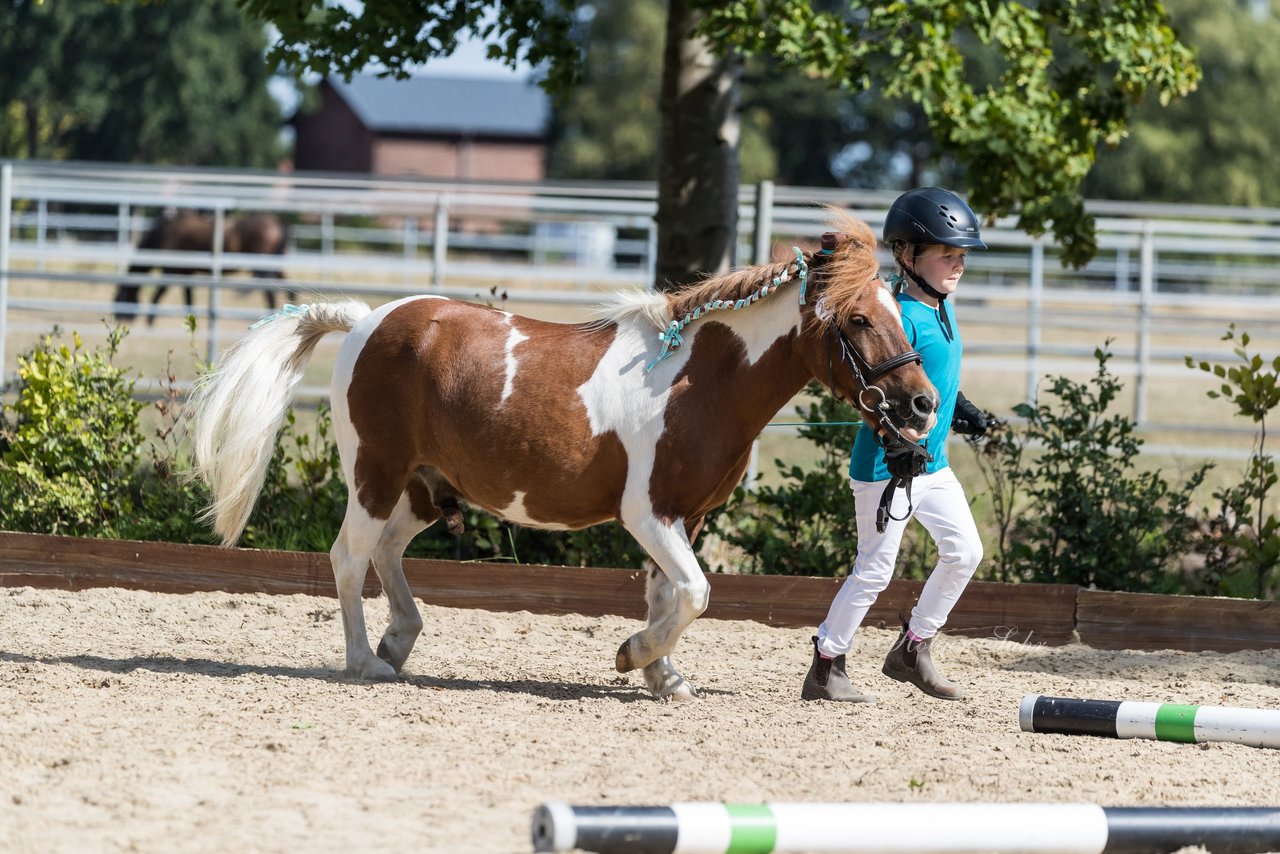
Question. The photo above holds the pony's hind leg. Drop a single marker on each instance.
(350, 556)
(413, 514)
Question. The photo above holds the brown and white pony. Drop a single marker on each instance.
(559, 426)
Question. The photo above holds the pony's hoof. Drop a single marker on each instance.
(623, 661)
(374, 670)
(384, 653)
(678, 690)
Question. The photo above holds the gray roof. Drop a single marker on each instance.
(448, 105)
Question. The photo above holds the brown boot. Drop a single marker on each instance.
(827, 680)
(912, 661)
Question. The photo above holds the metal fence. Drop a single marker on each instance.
(1166, 283)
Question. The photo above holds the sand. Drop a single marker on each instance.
(135, 721)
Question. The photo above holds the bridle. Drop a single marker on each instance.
(889, 435)
(864, 373)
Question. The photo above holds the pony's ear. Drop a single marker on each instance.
(832, 239)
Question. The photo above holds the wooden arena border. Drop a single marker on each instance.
(1052, 614)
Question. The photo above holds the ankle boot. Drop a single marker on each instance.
(827, 680)
(912, 661)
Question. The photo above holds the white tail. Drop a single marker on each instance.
(239, 407)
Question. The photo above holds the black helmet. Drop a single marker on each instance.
(932, 215)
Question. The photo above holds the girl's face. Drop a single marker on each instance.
(941, 266)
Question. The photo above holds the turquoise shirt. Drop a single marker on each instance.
(940, 357)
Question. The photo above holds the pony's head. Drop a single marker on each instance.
(853, 340)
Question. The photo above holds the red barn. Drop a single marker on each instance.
(458, 128)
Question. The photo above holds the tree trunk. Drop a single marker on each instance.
(698, 155)
(31, 113)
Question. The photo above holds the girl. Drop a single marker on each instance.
(930, 230)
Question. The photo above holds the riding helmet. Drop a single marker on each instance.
(932, 215)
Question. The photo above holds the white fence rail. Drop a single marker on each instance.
(1166, 283)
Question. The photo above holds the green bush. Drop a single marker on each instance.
(1072, 507)
(805, 525)
(168, 500)
(71, 441)
(1241, 540)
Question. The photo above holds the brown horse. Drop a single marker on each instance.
(646, 416)
(188, 231)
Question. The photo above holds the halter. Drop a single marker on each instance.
(864, 373)
(889, 435)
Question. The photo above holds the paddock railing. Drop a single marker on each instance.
(1166, 284)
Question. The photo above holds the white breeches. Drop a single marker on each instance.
(939, 505)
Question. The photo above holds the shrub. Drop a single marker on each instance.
(71, 441)
(168, 501)
(1241, 540)
(1085, 515)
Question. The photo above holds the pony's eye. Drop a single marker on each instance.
(860, 321)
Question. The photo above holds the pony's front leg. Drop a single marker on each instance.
(660, 675)
(350, 557)
(676, 592)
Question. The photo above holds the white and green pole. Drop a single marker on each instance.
(1159, 721)
(778, 828)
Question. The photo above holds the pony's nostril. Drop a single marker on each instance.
(922, 405)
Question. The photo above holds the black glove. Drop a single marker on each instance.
(968, 419)
(904, 463)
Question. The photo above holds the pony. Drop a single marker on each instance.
(189, 231)
(645, 414)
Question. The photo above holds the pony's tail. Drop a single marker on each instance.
(238, 408)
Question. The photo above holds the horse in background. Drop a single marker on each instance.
(189, 231)
(645, 415)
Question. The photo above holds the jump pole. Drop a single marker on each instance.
(779, 828)
(1160, 721)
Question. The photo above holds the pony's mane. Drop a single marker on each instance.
(852, 267)
(847, 274)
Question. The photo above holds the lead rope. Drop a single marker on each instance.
(672, 338)
(884, 511)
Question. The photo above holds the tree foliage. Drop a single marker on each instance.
(343, 39)
(183, 81)
(1071, 72)
(1217, 145)
(604, 128)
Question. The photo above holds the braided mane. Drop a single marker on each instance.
(847, 273)
(740, 284)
